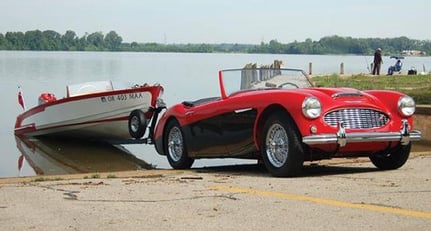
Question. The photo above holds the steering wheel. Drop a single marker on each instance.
(287, 83)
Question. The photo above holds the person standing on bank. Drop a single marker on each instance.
(378, 61)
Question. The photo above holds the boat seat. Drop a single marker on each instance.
(46, 97)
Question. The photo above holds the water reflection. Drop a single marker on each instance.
(53, 156)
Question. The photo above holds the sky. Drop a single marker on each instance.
(221, 21)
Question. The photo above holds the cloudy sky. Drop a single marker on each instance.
(219, 21)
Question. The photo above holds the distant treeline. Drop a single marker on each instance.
(50, 40)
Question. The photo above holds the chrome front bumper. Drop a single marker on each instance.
(404, 136)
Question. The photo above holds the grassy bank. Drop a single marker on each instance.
(417, 86)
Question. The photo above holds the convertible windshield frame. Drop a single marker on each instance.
(237, 80)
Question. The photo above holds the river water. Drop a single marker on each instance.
(184, 76)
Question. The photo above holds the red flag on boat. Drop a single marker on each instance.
(20, 98)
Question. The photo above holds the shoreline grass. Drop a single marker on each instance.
(416, 86)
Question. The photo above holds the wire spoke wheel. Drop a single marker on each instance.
(175, 144)
(277, 145)
(281, 150)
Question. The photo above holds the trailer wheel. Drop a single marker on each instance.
(137, 124)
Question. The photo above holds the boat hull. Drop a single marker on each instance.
(102, 115)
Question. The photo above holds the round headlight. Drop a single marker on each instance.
(406, 105)
(311, 107)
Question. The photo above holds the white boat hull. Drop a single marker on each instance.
(98, 115)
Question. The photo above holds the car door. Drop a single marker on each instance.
(222, 128)
(204, 137)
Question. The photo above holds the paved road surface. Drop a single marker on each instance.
(341, 196)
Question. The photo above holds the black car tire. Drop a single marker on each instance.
(175, 146)
(396, 158)
(137, 124)
(281, 148)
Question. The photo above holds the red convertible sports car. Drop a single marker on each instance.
(278, 116)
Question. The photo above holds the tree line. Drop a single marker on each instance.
(50, 40)
(345, 45)
(53, 41)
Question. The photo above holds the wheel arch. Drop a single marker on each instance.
(266, 113)
(160, 143)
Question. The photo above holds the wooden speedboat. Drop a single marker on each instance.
(97, 110)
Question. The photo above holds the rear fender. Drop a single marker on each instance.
(168, 115)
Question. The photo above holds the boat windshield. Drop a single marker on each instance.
(99, 86)
(234, 80)
(88, 88)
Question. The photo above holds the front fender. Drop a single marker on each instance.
(388, 99)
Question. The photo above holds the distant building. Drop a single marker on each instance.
(413, 52)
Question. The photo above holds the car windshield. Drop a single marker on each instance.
(235, 80)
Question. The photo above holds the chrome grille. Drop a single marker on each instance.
(356, 118)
